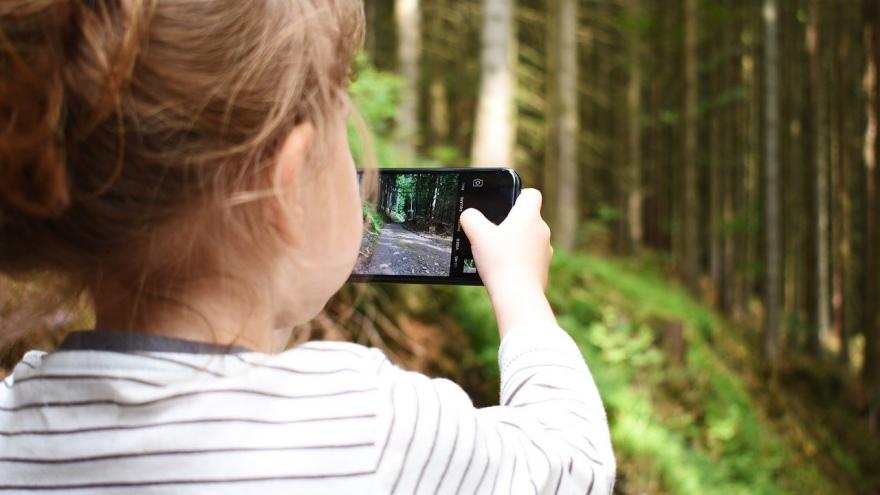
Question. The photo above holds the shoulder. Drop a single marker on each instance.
(29, 362)
(317, 364)
(327, 354)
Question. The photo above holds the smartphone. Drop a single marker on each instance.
(412, 234)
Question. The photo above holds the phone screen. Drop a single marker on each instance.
(412, 233)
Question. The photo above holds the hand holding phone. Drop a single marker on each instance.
(413, 233)
(514, 260)
(518, 251)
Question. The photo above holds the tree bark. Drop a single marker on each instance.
(407, 16)
(567, 126)
(843, 206)
(771, 184)
(634, 130)
(439, 111)
(820, 176)
(494, 133)
(870, 319)
(690, 244)
(716, 160)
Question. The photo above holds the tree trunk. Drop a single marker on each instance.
(409, 34)
(634, 130)
(843, 205)
(820, 175)
(439, 112)
(771, 192)
(494, 133)
(870, 320)
(565, 94)
(549, 172)
(434, 197)
(733, 132)
(690, 244)
(716, 160)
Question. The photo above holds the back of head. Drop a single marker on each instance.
(124, 122)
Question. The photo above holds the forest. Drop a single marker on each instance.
(409, 227)
(710, 174)
(423, 202)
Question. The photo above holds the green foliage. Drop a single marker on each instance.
(375, 95)
(374, 219)
(471, 308)
(608, 214)
(691, 426)
(446, 156)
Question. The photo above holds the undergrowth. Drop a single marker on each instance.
(682, 419)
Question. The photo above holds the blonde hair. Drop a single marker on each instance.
(121, 121)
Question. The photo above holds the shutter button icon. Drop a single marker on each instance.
(478, 182)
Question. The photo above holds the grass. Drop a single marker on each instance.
(681, 424)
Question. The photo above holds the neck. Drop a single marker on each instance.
(212, 314)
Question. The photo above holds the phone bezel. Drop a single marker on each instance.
(438, 280)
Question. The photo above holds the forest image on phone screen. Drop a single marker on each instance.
(410, 226)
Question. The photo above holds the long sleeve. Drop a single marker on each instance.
(548, 435)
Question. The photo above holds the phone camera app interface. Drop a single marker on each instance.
(410, 226)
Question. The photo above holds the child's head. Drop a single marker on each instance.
(155, 147)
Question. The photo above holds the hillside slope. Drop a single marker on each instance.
(690, 406)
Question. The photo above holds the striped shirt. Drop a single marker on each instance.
(118, 412)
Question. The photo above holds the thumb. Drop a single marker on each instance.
(475, 225)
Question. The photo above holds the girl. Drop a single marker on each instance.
(186, 162)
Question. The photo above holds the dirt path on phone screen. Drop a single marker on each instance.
(399, 251)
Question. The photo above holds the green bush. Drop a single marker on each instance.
(375, 95)
(692, 427)
(375, 222)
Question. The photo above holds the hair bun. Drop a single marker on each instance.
(33, 176)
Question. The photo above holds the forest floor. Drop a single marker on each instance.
(399, 251)
(690, 403)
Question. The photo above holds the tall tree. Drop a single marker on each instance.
(820, 177)
(772, 282)
(870, 320)
(842, 225)
(564, 122)
(716, 160)
(634, 130)
(407, 16)
(494, 133)
(690, 207)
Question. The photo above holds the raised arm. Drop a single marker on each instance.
(549, 434)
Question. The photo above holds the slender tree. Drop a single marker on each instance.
(771, 193)
(716, 159)
(841, 226)
(820, 176)
(870, 320)
(634, 130)
(690, 206)
(494, 133)
(565, 124)
(408, 19)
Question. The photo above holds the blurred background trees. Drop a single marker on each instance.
(728, 146)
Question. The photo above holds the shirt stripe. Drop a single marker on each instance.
(321, 417)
